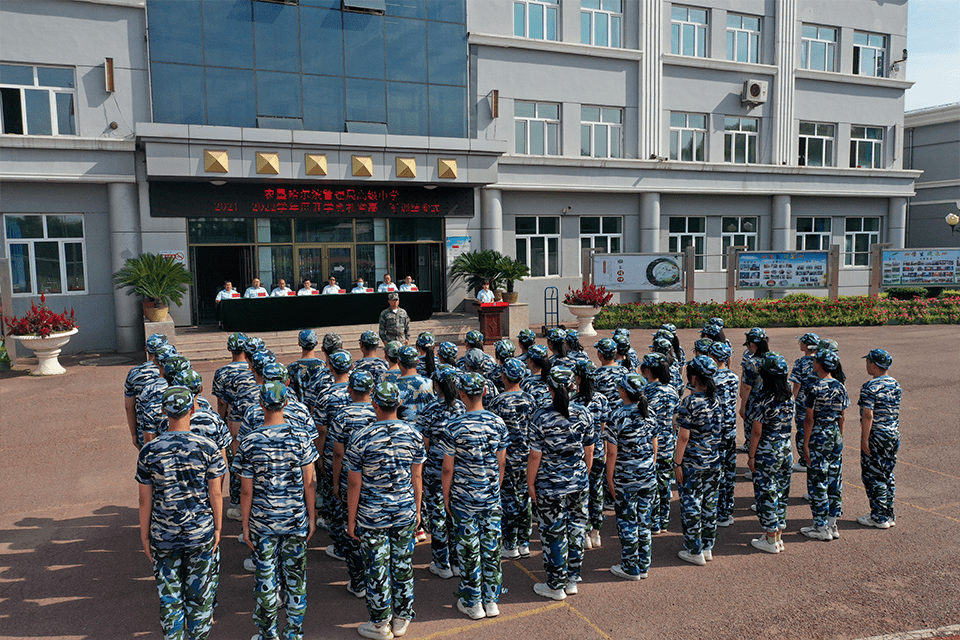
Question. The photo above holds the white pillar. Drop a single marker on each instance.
(649, 232)
(780, 224)
(897, 222)
(491, 219)
(124, 244)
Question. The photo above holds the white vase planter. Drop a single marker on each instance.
(48, 351)
(585, 314)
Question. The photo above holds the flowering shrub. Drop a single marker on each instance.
(591, 295)
(41, 321)
(792, 311)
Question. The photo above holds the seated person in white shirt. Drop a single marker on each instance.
(485, 295)
(255, 290)
(227, 292)
(307, 289)
(332, 286)
(281, 289)
(387, 285)
(360, 288)
(408, 284)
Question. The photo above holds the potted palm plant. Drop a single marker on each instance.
(512, 270)
(158, 279)
(475, 267)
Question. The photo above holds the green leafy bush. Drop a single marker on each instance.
(907, 293)
(950, 293)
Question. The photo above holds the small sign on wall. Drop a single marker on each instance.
(179, 256)
(457, 246)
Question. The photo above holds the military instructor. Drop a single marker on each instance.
(394, 321)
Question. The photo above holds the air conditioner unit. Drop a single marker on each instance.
(754, 92)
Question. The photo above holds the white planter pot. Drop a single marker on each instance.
(585, 315)
(48, 351)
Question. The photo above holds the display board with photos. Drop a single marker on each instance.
(793, 270)
(939, 267)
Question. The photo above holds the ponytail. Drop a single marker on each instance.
(545, 367)
(676, 346)
(839, 374)
(429, 360)
(775, 385)
(585, 391)
(763, 346)
(661, 372)
(709, 387)
(561, 401)
(448, 389)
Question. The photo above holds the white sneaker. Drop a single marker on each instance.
(323, 524)
(240, 538)
(765, 545)
(744, 448)
(618, 571)
(780, 545)
(595, 539)
(509, 554)
(725, 523)
(708, 554)
(249, 565)
(748, 475)
(359, 594)
(697, 559)
(753, 507)
(446, 574)
(399, 626)
(475, 612)
(799, 467)
(332, 552)
(376, 630)
(421, 535)
(806, 497)
(571, 588)
(834, 532)
(542, 589)
(817, 533)
(524, 550)
(234, 513)
(892, 522)
(456, 571)
(587, 542)
(491, 609)
(868, 521)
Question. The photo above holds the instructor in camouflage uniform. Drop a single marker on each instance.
(394, 321)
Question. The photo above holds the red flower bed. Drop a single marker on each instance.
(41, 321)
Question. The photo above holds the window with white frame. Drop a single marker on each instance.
(869, 53)
(537, 128)
(536, 19)
(859, 235)
(738, 231)
(689, 232)
(743, 38)
(538, 244)
(740, 140)
(688, 137)
(818, 48)
(813, 234)
(816, 144)
(601, 132)
(601, 22)
(866, 147)
(37, 101)
(603, 233)
(688, 32)
(46, 253)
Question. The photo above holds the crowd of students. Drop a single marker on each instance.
(473, 451)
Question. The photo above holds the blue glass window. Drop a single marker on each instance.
(366, 100)
(323, 103)
(230, 97)
(178, 96)
(278, 94)
(321, 41)
(276, 36)
(16, 74)
(448, 111)
(175, 32)
(363, 46)
(227, 33)
(405, 54)
(407, 8)
(446, 10)
(326, 4)
(407, 108)
(447, 53)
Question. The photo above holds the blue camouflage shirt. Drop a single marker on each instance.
(599, 409)
(728, 387)
(273, 457)
(390, 375)
(295, 414)
(432, 424)
(538, 390)
(606, 380)
(148, 407)
(309, 378)
(776, 418)
(334, 398)
(242, 393)
(676, 377)
(384, 453)
(634, 436)
(374, 366)
(803, 374)
(473, 441)
(515, 409)
(416, 392)
(488, 363)
(223, 379)
(179, 465)
(882, 395)
(704, 419)
(662, 403)
(348, 419)
(631, 361)
(206, 423)
(138, 377)
(828, 398)
(561, 442)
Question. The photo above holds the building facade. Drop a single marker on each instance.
(932, 145)
(362, 137)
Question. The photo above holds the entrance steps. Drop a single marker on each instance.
(208, 342)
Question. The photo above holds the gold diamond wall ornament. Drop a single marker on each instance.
(216, 161)
(268, 163)
(316, 164)
(406, 167)
(362, 166)
(447, 168)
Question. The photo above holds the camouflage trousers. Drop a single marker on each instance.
(478, 550)
(326, 504)
(825, 473)
(877, 472)
(633, 527)
(563, 526)
(800, 415)
(517, 508)
(281, 566)
(442, 545)
(388, 555)
(234, 480)
(187, 580)
(728, 477)
(596, 493)
(348, 547)
(698, 507)
(660, 500)
(771, 483)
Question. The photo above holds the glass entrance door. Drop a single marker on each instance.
(319, 263)
(339, 264)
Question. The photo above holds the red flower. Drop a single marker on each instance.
(41, 321)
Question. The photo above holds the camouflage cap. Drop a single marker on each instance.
(556, 335)
(504, 349)
(619, 331)
(711, 331)
(275, 372)
(387, 395)
(235, 342)
(560, 378)
(253, 344)
(606, 346)
(472, 384)
(584, 368)
(829, 345)
(174, 365)
(664, 333)
(755, 335)
(653, 359)
(273, 395)
(177, 401)
(623, 342)
(662, 345)
(474, 358)
(361, 381)
(474, 338)
(154, 342)
(828, 359)
(426, 339)
(717, 321)
(514, 370)
(703, 366)
(774, 363)
(341, 361)
(633, 383)
(572, 337)
(445, 372)
(392, 349)
(447, 350)
(702, 345)
(408, 356)
(669, 326)
(190, 379)
(165, 352)
(538, 352)
(880, 357)
(810, 339)
(332, 342)
(526, 337)
(721, 351)
(308, 339)
(262, 358)
(370, 338)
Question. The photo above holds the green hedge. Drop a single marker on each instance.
(794, 310)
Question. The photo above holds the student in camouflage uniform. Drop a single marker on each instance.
(515, 406)
(665, 348)
(526, 339)
(447, 352)
(137, 378)
(697, 461)
(179, 474)
(607, 377)
(369, 342)
(802, 376)
(823, 445)
(629, 359)
(237, 363)
(240, 393)
(536, 383)
(599, 408)
(879, 439)
(150, 400)
(415, 390)
(574, 349)
(384, 462)
(394, 321)
(678, 353)
(562, 438)
(432, 424)
(477, 361)
(727, 384)
(474, 341)
(557, 343)
(503, 350)
(770, 459)
(146, 404)
(334, 398)
(757, 345)
(662, 401)
(391, 351)
(275, 465)
(427, 362)
(474, 456)
(632, 476)
(309, 376)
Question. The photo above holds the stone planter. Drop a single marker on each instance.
(154, 313)
(585, 314)
(511, 297)
(48, 351)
